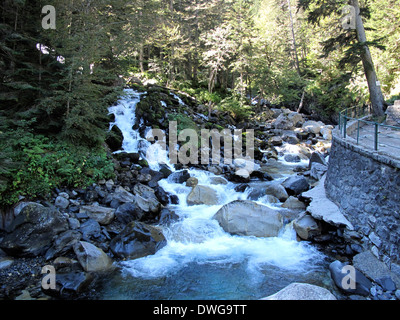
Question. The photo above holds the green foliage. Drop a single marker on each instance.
(183, 122)
(33, 165)
(236, 108)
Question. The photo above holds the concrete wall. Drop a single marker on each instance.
(366, 187)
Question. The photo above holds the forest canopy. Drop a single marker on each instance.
(56, 84)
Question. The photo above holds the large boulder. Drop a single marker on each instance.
(102, 215)
(302, 291)
(92, 258)
(122, 195)
(277, 191)
(247, 218)
(137, 240)
(33, 231)
(312, 126)
(146, 199)
(179, 176)
(295, 185)
(202, 195)
(283, 122)
(63, 243)
(306, 227)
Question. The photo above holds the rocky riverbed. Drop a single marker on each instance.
(85, 233)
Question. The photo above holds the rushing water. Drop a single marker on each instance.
(201, 260)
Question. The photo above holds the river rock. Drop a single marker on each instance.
(282, 122)
(6, 262)
(137, 240)
(294, 203)
(218, 180)
(61, 202)
(296, 118)
(92, 258)
(90, 229)
(146, 199)
(292, 157)
(302, 291)
(247, 218)
(122, 195)
(33, 231)
(179, 176)
(63, 243)
(318, 170)
(127, 212)
(192, 182)
(70, 285)
(312, 126)
(317, 157)
(326, 132)
(202, 195)
(295, 185)
(276, 141)
(102, 215)
(306, 227)
(277, 191)
(362, 284)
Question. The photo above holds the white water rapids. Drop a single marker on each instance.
(201, 260)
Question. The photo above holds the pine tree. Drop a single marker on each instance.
(352, 39)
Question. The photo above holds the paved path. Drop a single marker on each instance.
(388, 139)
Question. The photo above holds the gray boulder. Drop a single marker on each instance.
(137, 240)
(33, 231)
(318, 170)
(277, 191)
(92, 258)
(202, 195)
(61, 202)
(295, 185)
(302, 291)
(247, 218)
(102, 215)
(306, 227)
(146, 199)
(122, 195)
(312, 126)
(63, 243)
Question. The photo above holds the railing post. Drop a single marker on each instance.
(345, 125)
(376, 135)
(358, 131)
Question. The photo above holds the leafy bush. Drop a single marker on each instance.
(183, 122)
(238, 110)
(33, 165)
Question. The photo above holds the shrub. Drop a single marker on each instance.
(36, 165)
(239, 111)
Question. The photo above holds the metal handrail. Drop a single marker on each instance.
(361, 114)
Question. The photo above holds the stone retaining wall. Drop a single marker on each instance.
(366, 187)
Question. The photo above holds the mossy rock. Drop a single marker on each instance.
(143, 163)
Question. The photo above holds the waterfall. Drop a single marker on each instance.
(125, 119)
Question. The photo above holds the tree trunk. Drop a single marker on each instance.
(375, 91)
(296, 57)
